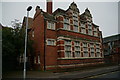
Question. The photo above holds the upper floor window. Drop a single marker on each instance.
(83, 31)
(90, 32)
(67, 42)
(75, 14)
(51, 25)
(66, 27)
(77, 43)
(83, 25)
(95, 34)
(76, 28)
(75, 22)
(95, 29)
(84, 44)
(66, 20)
(50, 41)
(75, 18)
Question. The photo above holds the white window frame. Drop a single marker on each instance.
(98, 54)
(76, 54)
(54, 42)
(66, 54)
(68, 43)
(35, 61)
(83, 30)
(84, 54)
(33, 34)
(92, 54)
(66, 26)
(50, 25)
(75, 28)
(66, 20)
(38, 59)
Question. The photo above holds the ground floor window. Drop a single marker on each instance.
(98, 54)
(68, 54)
(86, 54)
(92, 54)
(77, 53)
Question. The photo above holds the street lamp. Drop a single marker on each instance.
(24, 72)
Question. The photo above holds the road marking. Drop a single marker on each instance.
(102, 74)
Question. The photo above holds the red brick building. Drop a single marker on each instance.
(65, 39)
(111, 48)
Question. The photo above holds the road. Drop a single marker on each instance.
(112, 75)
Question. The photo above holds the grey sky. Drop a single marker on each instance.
(105, 14)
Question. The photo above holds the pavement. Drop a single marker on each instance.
(64, 75)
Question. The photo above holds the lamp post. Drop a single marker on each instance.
(24, 72)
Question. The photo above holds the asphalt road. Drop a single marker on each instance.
(107, 76)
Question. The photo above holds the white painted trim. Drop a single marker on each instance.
(61, 45)
(78, 64)
(72, 65)
(60, 50)
(80, 58)
(51, 39)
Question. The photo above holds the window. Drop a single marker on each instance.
(77, 53)
(75, 14)
(51, 42)
(95, 34)
(84, 44)
(67, 48)
(91, 45)
(77, 43)
(51, 25)
(76, 28)
(83, 25)
(77, 48)
(32, 33)
(92, 54)
(86, 54)
(67, 42)
(95, 29)
(34, 60)
(97, 50)
(97, 45)
(38, 59)
(66, 20)
(66, 26)
(85, 49)
(90, 32)
(68, 54)
(98, 54)
(83, 31)
(75, 22)
(92, 49)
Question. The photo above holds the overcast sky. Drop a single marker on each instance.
(105, 14)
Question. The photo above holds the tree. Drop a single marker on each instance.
(13, 44)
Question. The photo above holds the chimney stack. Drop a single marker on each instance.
(49, 6)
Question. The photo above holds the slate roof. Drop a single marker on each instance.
(111, 38)
(60, 12)
(48, 16)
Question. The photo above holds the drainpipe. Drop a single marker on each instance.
(44, 44)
